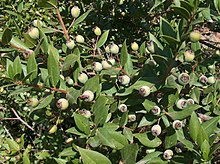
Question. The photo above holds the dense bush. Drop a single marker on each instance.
(100, 82)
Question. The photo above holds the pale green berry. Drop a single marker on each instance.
(190, 101)
(85, 113)
(132, 117)
(33, 102)
(134, 46)
(97, 31)
(183, 78)
(88, 96)
(114, 49)
(144, 91)
(37, 22)
(75, 11)
(97, 66)
(168, 154)
(124, 80)
(83, 78)
(106, 64)
(112, 61)
(69, 140)
(69, 81)
(177, 124)
(151, 46)
(62, 104)
(34, 33)
(80, 39)
(203, 79)
(156, 110)
(181, 103)
(189, 56)
(70, 44)
(123, 108)
(211, 80)
(156, 130)
(107, 49)
(53, 129)
(195, 36)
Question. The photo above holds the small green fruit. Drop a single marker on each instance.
(83, 78)
(88, 96)
(194, 36)
(97, 31)
(85, 113)
(189, 56)
(53, 129)
(69, 81)
(33, 102)
(156, 130)
(123, 108)
(34, 33)
(124, 80)
(114, 49)
(75, 11)
(156, 110)
(62, 104)
(80, 39)
(134, 46)
(132, 117)
(69, 140)
(177, 124)
(181, 103)
(183, 78)
(144, 91)
(190, 101)
(37, 22)
(97, 66)
(211, 80)
(168, 154)
(107, 49)
(151, 46)
(106, 64)
(203, 79)
(112, 61)
(70, 44)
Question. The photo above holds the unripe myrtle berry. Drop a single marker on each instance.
(53, 129)
(114, 49)
(181, 103)
(156, 110)
(134, 46)
(34, 33)
(156, 130)
(70, 44)
(123, 108)
(62, 104)
(97, 66)
(124, 80)
(183, 78)
(112, 61)
(211, 67)
(69, 140)
(75, 11)
(190, 101)
(85, 113)
(168, 154)
(211, 80)
(88, 96)
(82, 78)
(150, 46)
(195, 36)
(203, 79)
(80, 39)
(33, 102)
(97, 31)
(189, 56)
(132, 117)
(144, 91)
(107, 49)
(69, 81)
(177, 124)
(106, 64)
(37, 22)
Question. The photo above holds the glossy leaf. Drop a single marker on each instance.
(148, 140)
(32, 67)
(129, 153)
(53, 69)
(82, 123)
(102, 39)
(7, 36)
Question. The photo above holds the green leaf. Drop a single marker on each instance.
(20, 90)
(44, 41)
(92, 157)
(171, 138)
(194, 126)
(16, 42)
(47, 3)
(166, 28)
(53, 69)
(17, 68)
(129, 153)
(45, 102)
(205, 148)
(128, 67)
(195, 94)
(217, 5)
(202, 136)
(102, 39)
(82, 123)
(124, 54)
(67, 152)
(124, 119)
(181, 11)
(32, 67)
(69, 61)
(81, 18)
(211, 125)
(92, 84)
(128, 134)
(148, 140)
(149, 157)
(142, 49)
(73, 130)
(180, 115)
(26, 159)
(60, 161)
(6, 36)
(12, 145)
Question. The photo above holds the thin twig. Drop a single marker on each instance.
(71, 24)
(8, 133)
(2, 119)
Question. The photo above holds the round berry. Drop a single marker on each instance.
(97, 66)
(203, 79)
(80, 39)
(69, 81)
(82, 78)
(107, 49)
(156, 110)
(211, 80)
(85, 113)
(53, 129)
(194, 36)
(190, 102)
(37, 22)
(88, 96)
(144, 91)
(112, 61)
(189, 56)
(106, 64)
(62, 104)
(150, 46)
(124, 80)
(114, 49)
(183, 78)
(97, 31)
(181, 103)
(75, 11)
(177, 124)
(69, 140)
(70, 44)
(34, 33)
(33, 102)
(168, 154)
(134, 46)
(132, 117)
(156, 130)
(123, 108)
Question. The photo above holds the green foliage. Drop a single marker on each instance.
(92, 128)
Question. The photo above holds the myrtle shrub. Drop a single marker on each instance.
(100, 82)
